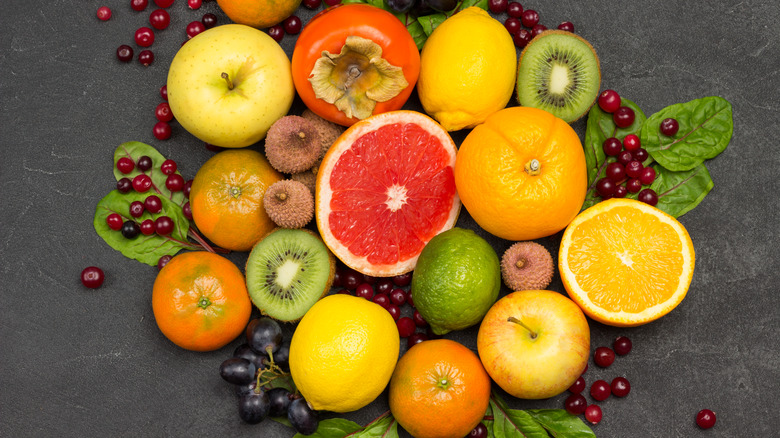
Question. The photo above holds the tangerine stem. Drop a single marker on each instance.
(517, 321)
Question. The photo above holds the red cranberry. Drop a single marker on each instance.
(168, 167)
(634, 169)
(147, 227)
(159, 19)
(187, 188)
(163, 225)
(114, 221)
(616, 172)
(522, 38)
(575, 404)
(162, 131)
(609, 101)
(164, 92)
(186, 210)
(538, 29)
(142, 183)
(622, 345)
(633, 185)
(364, 290)
(104, 13)
(276, 32)
(409, 298)
(530, 18)
(631, 142)
(136, 209)
(124, 185)
(311, 4)
(130, 230)
(153, 204)
(647, 176)
(419, 321)
(515, 10)
(402, 279)
(124, 53)
(605, 187)
(604, 356)
(625, 157)
(512, 25)
(415, 339)
(394, 311)
(209, 20)
(498, 6)
(623, 117)
(384, 286)
(194, 28)
(648, 196)
(146, 58)
(351, 279)
(479, 431)
(568, 26)
(139, 5)
(194, 4)
(620, 386)
(620, 191)
(163, 3)
(332, 2)
(174, 182)
(163, 112)
(292, 25)
(593, 414)
(125, 165)
(397, 297)
(640, 155)
(370, 279)
(405, 326)
(145, 163)
(163, 261)
(705, 418)
(612, 146)
(578, 386)
(144, 36)
(92, 277)
(381, 299)
(669, 127)
(600, 390)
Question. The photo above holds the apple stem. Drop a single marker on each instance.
(517, 321)
(227, 79)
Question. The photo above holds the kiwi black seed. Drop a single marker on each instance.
(559, 72)
(288, 271)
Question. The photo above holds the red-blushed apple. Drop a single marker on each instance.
(229, 84)
(534, 344)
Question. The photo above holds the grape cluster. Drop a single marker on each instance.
(256, 369)
(392, 293)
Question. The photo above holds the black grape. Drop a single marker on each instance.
(280, 401)
(264, 333)
(253, 407)
(237, 370)
(302, 417)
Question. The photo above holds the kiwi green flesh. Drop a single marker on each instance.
(559, 73)
(287, 272)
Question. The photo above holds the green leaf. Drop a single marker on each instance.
(561, 424)
(429, 22)
(706, 126)
(282, 420)
(510, 423)
(679, 192)
(333, 428)
(414, 27)
(384, 427)
(145, 249)
(599, 128)
(135, 150)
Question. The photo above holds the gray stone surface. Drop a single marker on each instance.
(78, 362)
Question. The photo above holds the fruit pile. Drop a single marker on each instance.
(385, 260)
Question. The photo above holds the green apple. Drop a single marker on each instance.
(534, 344)
(229, 84)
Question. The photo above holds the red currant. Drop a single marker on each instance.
(648, 196)
(163, 225)
(114, 221)
(512, 25)
(104, 13)
(394, 311)
(631, 142)
(351, 279)
(276, 32)
(147, 227)
(159, 19)
(163, 3)
(575, 404)
(194, 28)
(620, 386)
(609, 101)
(578, 386)
(136, 209)
(623, 117)
(146, 57)
(124, 53)
(625, 157)
(292, 25)
(593, 414)
(522, 38)
(381, 299)
(163, 112)
(384, 286)
(168, 167)
(633, 185)
(125, 165)
(209, 20)
(620, 191)
(600, 390)
(164, 92)
(364, 290)
(187, 188)
(616, 172)
(162, 130)
(705, 418)
(124, 185)
(669, 127)
(332, 2)
(92, 277)
(612, 146)
(194, 4)
(187, 211)
(153, 204)
(419, 321)
(405, 326)
(142, 183)
(163, 261)
(174, 182)
(139, 5)
(622, 345)
(409, 298)
(311, 4)
(647, 176)
(402, 279)
(568, 26)
(538, 29)
(145, 163)
(479, 431)
(144, 36)
(515, 9)
(634, 169)
(397, 297)
(415, 339)
(605, 187)
(498, 6)
(604, 356)
(530, 18)
(640, 155)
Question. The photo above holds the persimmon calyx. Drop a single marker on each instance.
(357, 78)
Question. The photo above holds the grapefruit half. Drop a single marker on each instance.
(384, 189)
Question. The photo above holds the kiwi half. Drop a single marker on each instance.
(287, 272)
(559, 72)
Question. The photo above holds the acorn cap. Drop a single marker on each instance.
(289, 204)
(293, 144)
(527, 266)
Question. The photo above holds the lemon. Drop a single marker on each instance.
(343, 353)
(468, 68)
(456, 280)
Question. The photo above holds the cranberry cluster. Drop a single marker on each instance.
(389, 293)
(522, 24)
(600, 390)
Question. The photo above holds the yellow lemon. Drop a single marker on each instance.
(468, 68)
(343, 353)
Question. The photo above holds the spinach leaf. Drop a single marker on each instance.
(560, 423)
(510, 423)
(145, 249)
(429, 22)
(384, 427)
(599, 128)
(333, 428)
(135, 150)
(706, 126)
(679, 192)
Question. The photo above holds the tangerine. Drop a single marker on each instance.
(522, 174)
(439, 389)
(200, 301)
(227, 198)
(258, 13)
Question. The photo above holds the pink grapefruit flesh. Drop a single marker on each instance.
(384, 189)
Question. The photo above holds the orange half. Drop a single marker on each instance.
(626, 263)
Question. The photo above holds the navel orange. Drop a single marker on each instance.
(521, 174)
(384, 189)
(439, 389)
(200, 301)
(626, 263)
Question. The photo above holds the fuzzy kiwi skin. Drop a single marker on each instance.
(328, 283)
(562, 32)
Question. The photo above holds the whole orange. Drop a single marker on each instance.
(522, 174)
(227, 198)
(439, 389)
(258, 13)
(200, 301)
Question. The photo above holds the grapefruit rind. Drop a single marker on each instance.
(623, 318)
(324, 193)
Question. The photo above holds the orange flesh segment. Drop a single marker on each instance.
(628, 268)
(388, 201)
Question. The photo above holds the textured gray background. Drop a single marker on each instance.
(78, 362)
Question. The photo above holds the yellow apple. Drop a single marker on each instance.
(534, 344)
(229, 84)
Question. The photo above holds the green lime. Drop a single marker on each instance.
(456, 280)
